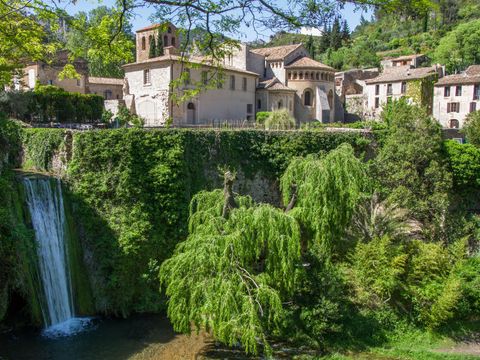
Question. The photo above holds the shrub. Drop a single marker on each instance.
(280, 120)
(50, 103)
(125, 117)
(464, 162)
(471, 128)
(262, 116)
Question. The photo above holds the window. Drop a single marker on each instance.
(173, 42)
(453, 107)
(244, 84)
(219, 81)
(377, 90)
(458, 91)
(169, 30)
(300, 76)
(165, 41)
(144, 44)
(454, 124)
(146, 77)
(107, 94)
(389, 89)
(318, 76)
(280, 104)
(249, 108)
(259, 104)
(476, 92)
(232, 82)
(204, 77)
(191, 106)
(50, 82)
(473, 106)
(78, 82)
(307, 98)
(404, 87)
(377, 103)
(446, 91)
(289, 75)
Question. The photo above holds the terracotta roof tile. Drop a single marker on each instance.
(469, 76)
(154, 26)
(306, 62)
(403, 73)
(277, 52)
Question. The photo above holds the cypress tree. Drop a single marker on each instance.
(345, 32)
(160, 51)
(325, 40)
(336, 35)
(153, 48)
(310, 45)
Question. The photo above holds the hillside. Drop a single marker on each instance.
(448, 32)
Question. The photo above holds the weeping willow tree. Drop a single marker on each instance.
(328, 190)
(232, 273)
(242, 261)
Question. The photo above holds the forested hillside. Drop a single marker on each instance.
(448, 31)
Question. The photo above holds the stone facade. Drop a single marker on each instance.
(456, 96)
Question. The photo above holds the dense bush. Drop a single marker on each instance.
(280, 120)
(50, 103)
(262, 116)
(471, 128)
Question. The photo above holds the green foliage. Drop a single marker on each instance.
(464, 161)
(39, 146)
(99, 38)
(126, 118)
(329, 189)
(410, 170)
(459, 48)
(262, 116)
(159, 48)
(152, 50)
(50, 103)
(279, 120)
(230, 274)
(471, 128)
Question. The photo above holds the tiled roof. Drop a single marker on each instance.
(469, 76)
(402, 73)
(154, 26)
(277, 52)
(306, 62)
(273, 84)
(105, 81)
(193, 60)
(406, 57)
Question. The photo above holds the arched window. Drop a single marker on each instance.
(318, 76)
(280, 104)
(307, 97)
(295, 75)
(306, 76)
(144, 43)
(191, 106)
(330, 99)
(312, 76)
(169, 30)
(289, 75)
(300, 76)
(165, 40)
(174, 41)
(454, 124)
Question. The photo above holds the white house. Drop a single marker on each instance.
(401, 81)
(456, 96)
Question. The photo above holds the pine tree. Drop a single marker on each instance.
(160, 51)
(345, 32)
(153, 48)
(336, 35)
(325, 40)
(310, 45)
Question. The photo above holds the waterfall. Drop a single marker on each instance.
(45, 203)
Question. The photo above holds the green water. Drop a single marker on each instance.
(108, 339)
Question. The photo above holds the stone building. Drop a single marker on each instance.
(47, 74)
(456, 96)
(416, 84)
(109, 88)
(290, 79)
(415, 61)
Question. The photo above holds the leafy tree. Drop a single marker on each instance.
(471, 129)
(279, 120)
(410, 169)
(459, 48)
(103, 39)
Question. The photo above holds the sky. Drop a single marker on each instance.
(143, 17)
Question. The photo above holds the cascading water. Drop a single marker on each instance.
(45, 203)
